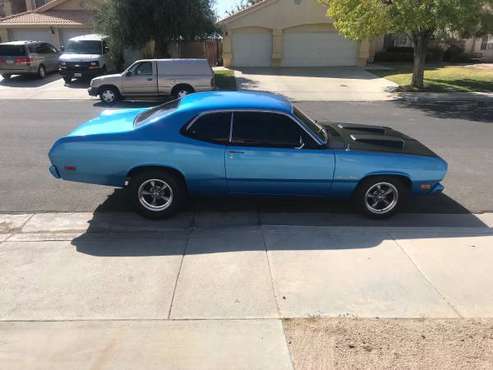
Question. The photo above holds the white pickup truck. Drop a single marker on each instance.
(154, 78)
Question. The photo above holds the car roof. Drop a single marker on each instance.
(91, 37)
(235, 100)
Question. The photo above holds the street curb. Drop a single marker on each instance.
(419, 97)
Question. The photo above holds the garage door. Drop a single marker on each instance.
(67, 34)
(31, 34)
(318, 49)
(252, 49)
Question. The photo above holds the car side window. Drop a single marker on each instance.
(268, 130)
(142, 69)
(211, 127)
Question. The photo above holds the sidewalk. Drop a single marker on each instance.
(77, 286)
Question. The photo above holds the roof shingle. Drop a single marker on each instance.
(51, 18)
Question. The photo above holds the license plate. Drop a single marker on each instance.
(77, 74)
(10, 61)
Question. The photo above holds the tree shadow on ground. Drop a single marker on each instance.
(29, 81)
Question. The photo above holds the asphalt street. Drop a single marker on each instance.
(461, 132)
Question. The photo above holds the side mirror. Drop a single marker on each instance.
(106, 50)
(128, 74)
(62, 48)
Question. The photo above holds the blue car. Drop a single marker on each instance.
(244, 143)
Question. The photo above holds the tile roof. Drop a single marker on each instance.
(50, 18)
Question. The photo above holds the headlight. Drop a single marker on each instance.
(94, 64)
(63, 63)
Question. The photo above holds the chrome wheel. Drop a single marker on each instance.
(182, 93)
(155, 195)
(381, 198)
(42, 72)
(108, 96)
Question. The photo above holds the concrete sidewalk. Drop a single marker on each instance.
(194, 297)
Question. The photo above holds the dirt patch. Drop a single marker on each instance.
(390, 344)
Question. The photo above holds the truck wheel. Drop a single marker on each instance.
(109, 94)
(67, 79)
(41, 71)
(157, 194)
(380, 196)
(182, 90)
(6, 75)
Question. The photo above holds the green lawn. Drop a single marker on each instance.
(442, 78)
(225, 79)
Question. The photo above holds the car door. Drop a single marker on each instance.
(140, 80)
(271, 154)
(203, 156)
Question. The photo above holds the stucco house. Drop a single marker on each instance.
(289, 33)
(54, 22)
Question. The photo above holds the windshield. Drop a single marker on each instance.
(311, 125)
(84, 47)
(159, 111)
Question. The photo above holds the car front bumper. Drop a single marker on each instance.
(73, 72)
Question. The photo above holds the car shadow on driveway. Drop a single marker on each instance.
(29, 81)
(115, 230)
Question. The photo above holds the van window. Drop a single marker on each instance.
(84, 47)
(141, 69)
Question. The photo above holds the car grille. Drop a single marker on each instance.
(76, 66)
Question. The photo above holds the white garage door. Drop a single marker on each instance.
(31, 34)
(318, 49)
(252, 49)
(67, 34)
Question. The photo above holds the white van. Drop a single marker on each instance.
(154, 78)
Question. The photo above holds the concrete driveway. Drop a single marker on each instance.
(51, 87)
(317, 84)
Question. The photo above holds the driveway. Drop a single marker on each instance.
(52, 87)
(317, 84)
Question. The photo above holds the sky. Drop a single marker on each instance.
(223, 5)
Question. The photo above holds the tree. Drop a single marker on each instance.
(244, 4)
(135, 22)
(421, 20)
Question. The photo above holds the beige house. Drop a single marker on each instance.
(289, 33)
(55, 22)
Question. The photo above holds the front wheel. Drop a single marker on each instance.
(67, 79)
(41, 72)
(181, 91)
(6, 75)
(157, 194)
(109, 94)
(381, 197)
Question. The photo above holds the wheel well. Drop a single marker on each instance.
(405, 180)
(106, 86)
(173, 171)
(176, 87)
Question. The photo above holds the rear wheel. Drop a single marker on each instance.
(6, 75)
(381, 197)
(109, 94)
(41, 71)
(157, 194)
(67, 79)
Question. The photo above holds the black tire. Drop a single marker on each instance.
(41, 72)
(381, 196)
(109, 94)
(167, 184)
(6, 75)
(67, 79)
(182, 90)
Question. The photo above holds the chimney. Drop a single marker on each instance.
(29, 5)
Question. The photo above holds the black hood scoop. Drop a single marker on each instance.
(362, 128)
(385, 141)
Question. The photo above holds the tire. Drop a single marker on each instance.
(6, 75)
(109, 94)
(157, 194)
(381, 196)
(41, 72)
(180, 91)
(67, 79)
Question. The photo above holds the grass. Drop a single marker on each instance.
(225, 79)
(441, 78)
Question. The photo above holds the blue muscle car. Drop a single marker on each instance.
(244, 143)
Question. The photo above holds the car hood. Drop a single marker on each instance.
(72, 57)
(109, 122)
(374, 138)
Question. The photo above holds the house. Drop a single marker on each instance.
(289, 33)
(481, 47)
(56, 21)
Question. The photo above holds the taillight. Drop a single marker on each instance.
(23, 60)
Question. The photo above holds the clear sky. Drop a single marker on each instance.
(223, 5)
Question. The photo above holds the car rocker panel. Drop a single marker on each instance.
(219, 143)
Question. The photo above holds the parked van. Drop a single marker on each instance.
(155, 78)
(84, 56)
